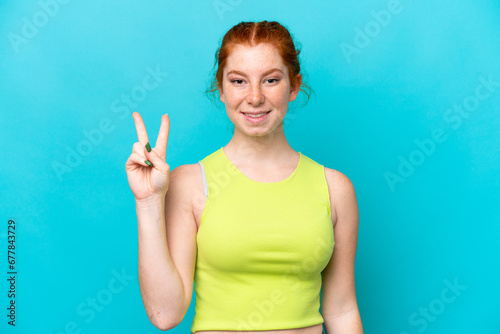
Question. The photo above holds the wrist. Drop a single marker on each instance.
(150, 201)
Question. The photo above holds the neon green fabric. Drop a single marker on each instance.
(261, 248)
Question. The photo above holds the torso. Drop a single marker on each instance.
(316, 329)
(254, 175)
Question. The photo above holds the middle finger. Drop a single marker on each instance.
(162, 141)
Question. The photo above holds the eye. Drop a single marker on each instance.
(273, 80)
(237, 81)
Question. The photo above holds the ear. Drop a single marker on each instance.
(294, 91)
(221, 95)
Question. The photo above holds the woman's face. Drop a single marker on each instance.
(255, 81)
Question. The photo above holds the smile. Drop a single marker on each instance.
(256, 118)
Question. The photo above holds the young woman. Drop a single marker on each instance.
(262, 230)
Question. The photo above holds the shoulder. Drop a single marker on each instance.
(187, 179)
(342, 193)
(338, 180)
(185, 174)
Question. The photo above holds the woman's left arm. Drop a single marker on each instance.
(339, 307)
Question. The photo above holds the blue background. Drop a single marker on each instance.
(77, 227)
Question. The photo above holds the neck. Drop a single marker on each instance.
(270, 149)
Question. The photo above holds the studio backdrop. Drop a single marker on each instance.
(406, 104)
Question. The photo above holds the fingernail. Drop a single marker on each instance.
(148, 163)
(148, 147)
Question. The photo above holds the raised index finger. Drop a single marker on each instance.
(162, 141)
(142, 135)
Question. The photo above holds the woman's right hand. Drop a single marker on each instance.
(145, 181)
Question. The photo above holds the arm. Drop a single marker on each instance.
(167, 250)
(338, 297)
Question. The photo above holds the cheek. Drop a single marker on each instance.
(279, 95)
(234, 97)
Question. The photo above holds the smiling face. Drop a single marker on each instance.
(255, 81)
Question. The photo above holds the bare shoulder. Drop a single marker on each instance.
(338, 179)
(186, 173)
(186, 181)
(342, 193)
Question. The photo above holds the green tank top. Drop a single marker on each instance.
(261, 248)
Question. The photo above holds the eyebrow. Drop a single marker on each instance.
(266, 73)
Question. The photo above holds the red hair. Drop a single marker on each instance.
(251, 34)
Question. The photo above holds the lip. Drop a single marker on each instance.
(255, 113)
(257, 120)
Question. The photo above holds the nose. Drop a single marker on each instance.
(255, 96)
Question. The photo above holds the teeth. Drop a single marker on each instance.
(255, 116)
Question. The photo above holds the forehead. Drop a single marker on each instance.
(258, 58)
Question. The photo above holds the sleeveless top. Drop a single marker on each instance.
(261, 248)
